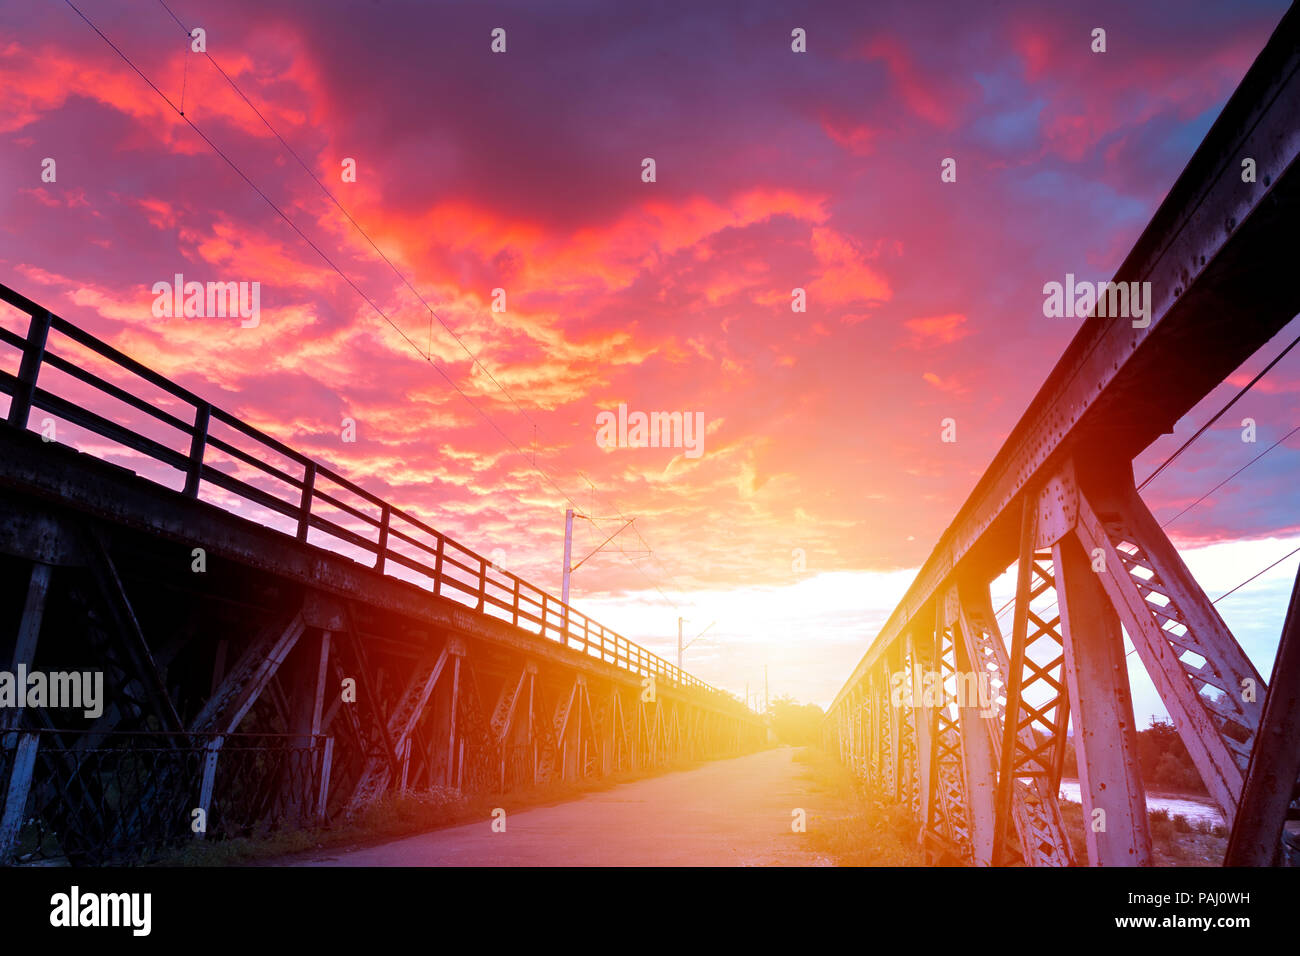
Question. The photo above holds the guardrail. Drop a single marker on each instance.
(449, 568)
(125, 796)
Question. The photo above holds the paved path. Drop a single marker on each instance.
(726, 813)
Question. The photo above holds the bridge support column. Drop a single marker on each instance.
(946, 829)
(127, 627)
(17, 783)
(504, 725)
(1270, 784)
(1033, 739)
(249, 677)
(978, 729)
(616, 730)
(449, 778)
(920, 649)
(643, 740)
(29, 631)
(379, 770)
(603, 731)
(306, 703)
(584, 738)
(673, 734)
(896, 771)
(16, 788)
(1105, 738)
(563, 723)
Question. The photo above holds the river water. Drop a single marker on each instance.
(1193, 810)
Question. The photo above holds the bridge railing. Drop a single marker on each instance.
(296, 493)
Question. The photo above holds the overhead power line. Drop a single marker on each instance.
(1199, 432)
(427, 356)
(1219, 414)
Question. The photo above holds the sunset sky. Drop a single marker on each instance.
(522, 171)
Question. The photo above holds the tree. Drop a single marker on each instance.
(793, 723)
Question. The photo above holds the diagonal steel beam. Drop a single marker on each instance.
(1270, 786)
(1196, 725)
(1222, 282)
(244, 683)
(128, 627)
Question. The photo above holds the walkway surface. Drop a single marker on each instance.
(734, 812)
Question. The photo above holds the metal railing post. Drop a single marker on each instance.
(29, 368)
(381, 549)
(198, 444)
(482, 583)
(437, 568)
(304, 508)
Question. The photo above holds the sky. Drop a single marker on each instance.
(820, 481)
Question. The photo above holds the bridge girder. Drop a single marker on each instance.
(1059, 502)
(225, 685)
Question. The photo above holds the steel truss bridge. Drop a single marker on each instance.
(1059, 503)
(233, 592)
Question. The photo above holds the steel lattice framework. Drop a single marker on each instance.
(332, 648)
(1059, 502)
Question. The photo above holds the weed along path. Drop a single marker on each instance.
(737, 812)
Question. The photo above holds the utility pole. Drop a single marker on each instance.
(680, 646)
(568, 553)
(765, 688)
(569, 566)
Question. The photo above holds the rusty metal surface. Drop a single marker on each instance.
(481, 593)
(369, 644)
(1218, 258)
(1059, 499)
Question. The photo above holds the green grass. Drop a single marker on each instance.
(1175, 841)
(868, 829)
(859, 827)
